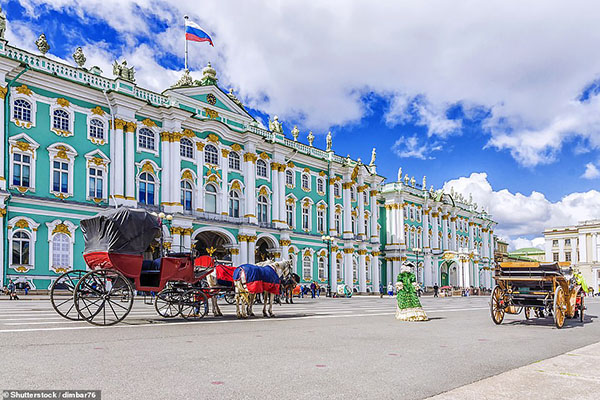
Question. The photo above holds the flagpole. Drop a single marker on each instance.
(185, 17)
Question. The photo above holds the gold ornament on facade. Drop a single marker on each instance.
(2, 212)
(148, 122)
(250, 157)
(165, 136)
(373, 193)
(264, 156)
(62, 132)
(349, 251)
(322, 173)
(98, 111)
(263, 191)
(321, 206)
(23, 124)
(347, 185)
(225, 152)
(339, 257)
(290, 201)
(361, 252)
(307, 253)
(61, 228)
(3, 91)
(212, 114)
(23, 89)
(176, 136)
(284, 242)
(188, 133)
(22, 224)
(96, 160)
(63, 102)
(335, 248)
(187, 174)
(147, 167)
(307, 170)
(251, 239)
(23, 146)
(199, 146)
(236, 185)
(119, 123)
(290, 164)
(236, 147)
(130, 127)
(234, 252)
(212, 178)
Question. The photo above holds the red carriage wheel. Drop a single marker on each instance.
(194, 304)
(61, 294)
(167, 303)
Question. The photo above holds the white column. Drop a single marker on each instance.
(250, 180)
(391, 224)
(165, 138)
(435, 236)
(561, 249)
(400, 222)
(476, 275)
(347, 211)
(374, 218)
(454, 238)
(275, 188)
(395, 270)
(200, 174)
(375, 272)
(574, 251)
(333, 276)
(428, 274)
(251, 249)
(348, 273)
(331, 208)
(362, 270)
(176, 244)
(129, 161)
(361, 212)
(582, 248)
(224, 182)
(594, 255)
(426, 244)
(281, 178)
(389, 267)
(175, 177)
(2, 238)
(4, 162)
(471, 239)
(445, 232)
(118, 162)
(187, 240)
(242, 239)
(460, 273)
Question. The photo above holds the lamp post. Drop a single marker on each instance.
(328, 240)
(417, 251)
(165, 220)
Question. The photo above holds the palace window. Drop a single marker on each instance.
(555, 243)
(321, 221)
(186, 148)
(210, 199)
(307, 268)
(61, 250)
(234, 161)
(354, 270)
(211, 155)
(338, 223)
(336, 189)
(289, 215)
(96, 183)
(146, 139)
(146, 189)
(60, 120)
(567, 256)
(305, 218)
(21, 170)
(186, 195)
(289, 178)
(60, 177)
(22, 110)
(419, 215)
(365, 198)
(338, 269)
(305, 182)
(567, 242)
(320, 185)
(263, 206)
(261, 168)
(367, 226)
(412, 213)
(21, 243)
(352, 193)
(96, 129)
(234, 204)
(555, 257)
(321, 270)
(353, 223)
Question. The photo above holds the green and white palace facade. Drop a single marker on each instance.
(76, 142)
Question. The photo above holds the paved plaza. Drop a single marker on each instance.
(316, 348)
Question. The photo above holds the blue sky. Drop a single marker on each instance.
(502, 107)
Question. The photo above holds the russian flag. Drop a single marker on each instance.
(195, 34)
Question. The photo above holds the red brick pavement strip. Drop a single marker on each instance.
(573, 375)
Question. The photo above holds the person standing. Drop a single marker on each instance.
(12, 291)
(390, 289)
(408, 306)
(436, 288)
(381, 291)
(313, 287)
(26, 287)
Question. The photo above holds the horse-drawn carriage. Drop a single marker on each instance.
(120, 249)
(541, 289)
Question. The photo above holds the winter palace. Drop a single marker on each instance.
(76, 142)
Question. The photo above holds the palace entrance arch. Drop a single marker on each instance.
(215, 242)
(449, 273)
(266, 248)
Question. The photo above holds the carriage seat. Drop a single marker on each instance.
(151, 266)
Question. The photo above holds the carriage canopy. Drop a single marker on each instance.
(121, 230)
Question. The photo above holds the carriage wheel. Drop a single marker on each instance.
(229, 297)
(167, 303)
(497, 305)
(527, 312)
(194, 304)
(61, 294)
(560, 307)
(103, 297)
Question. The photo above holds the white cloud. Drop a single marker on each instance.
(521, 216)
(524, 63)
(591, 171)
(411, 147)
(521, 242)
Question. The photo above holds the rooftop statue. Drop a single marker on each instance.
(231, 95)
(275, 126)
(42, 44)
(406, 179)
(311, 138)
(123, 71)
(412, 181)
(373, 156)
(79, 57)
(2, 23)
(400, 174)
(209, 76)
(185, 80)
(424, 182)
(329, 143)
(295, 133)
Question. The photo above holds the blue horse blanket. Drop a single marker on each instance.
(258, 279)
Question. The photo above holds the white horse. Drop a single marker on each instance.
(242, 295)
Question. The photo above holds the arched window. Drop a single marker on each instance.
(211, 155)
(210, 201)
(96, 129)
(234, 204)
(146, 139)
(305, 182)
(289, 178)
(261, 168)
(186, 195)
(60, 177)
(21, 169)
(320, 185)
(321, 268)
(96, 183)
(336, 189)
(353, 220)
(339, 270)
(22, 110)
(263, 206)
(354, 270)
(305, 218)
(61, 250)
(289, 214)
(186, 148)
(338, 222)
(147, 189)
(419, 215)
(60, 120)
(307, 268)
(321, 221)
(234, 161)
(20, 248)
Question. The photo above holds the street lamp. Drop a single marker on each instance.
(417, 251)
(328, 240)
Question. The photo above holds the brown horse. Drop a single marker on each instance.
(288, 285)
